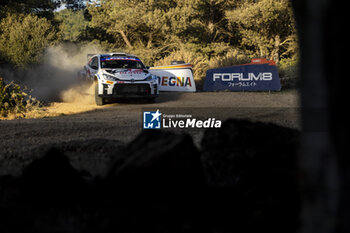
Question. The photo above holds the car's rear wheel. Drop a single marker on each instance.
(98, 99)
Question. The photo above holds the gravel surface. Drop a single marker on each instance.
(79, 122)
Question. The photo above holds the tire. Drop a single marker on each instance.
(98, 100)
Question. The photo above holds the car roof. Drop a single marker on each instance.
(116, 54)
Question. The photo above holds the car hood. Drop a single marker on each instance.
(128, 74)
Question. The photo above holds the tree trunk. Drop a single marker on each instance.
(261, 51)
(126, 40)
(149, 44)
(276, 50)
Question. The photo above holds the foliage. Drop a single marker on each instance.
(206, 33)
(288, 70)
(231, 58)
(146, 27)
(72, 25)
(13, 100)
(202, 62)
(266, 27)
(75, 5)
(156, 23)
(41, 8)
(207, 28)
(197, 59)
(23, 38)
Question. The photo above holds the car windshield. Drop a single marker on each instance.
(121, 63)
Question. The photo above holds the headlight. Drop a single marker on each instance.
(109, 77)
(150, 78)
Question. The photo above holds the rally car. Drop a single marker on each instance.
(119, 75)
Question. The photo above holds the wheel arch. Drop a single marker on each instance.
(95, 78)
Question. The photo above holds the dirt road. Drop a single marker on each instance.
(78, 122)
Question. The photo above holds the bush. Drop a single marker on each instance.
(23, 38)
(201, 61)
(72, 24)
(288, 70)
(198, 60)
(13, 100)
(231, 58)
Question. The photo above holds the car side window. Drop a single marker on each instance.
(94, 63)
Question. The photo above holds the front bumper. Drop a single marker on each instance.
(129, 90)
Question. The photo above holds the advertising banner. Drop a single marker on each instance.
(175, 77)
(259, 75)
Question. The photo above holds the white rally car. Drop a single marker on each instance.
(120, 75)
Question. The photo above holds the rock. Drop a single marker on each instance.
(155, 184)
(51, 181)
(241, 150)
(159, 160)
(91, 155)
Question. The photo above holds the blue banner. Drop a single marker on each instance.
(249, 77)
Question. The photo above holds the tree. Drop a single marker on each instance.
(211, 27)
(23, 38)
(136, 22)
(266, 26)
(42, 8)
(75, 5)
(211, 15)
(72, 24)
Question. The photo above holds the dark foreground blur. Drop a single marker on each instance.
(244, 179)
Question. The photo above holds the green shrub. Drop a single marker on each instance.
(13, 100)
(23, 38)
(202, 60)
(72, 24)
(231, 58)
(198, 60)
(288, 70)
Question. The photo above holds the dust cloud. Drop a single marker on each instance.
(55, 81)
(83, 94)
(56, 75)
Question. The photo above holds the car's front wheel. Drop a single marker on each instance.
(98, 99)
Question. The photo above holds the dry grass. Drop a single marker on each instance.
(76, 100)
(199, 62)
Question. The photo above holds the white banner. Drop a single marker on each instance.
(175, 77)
